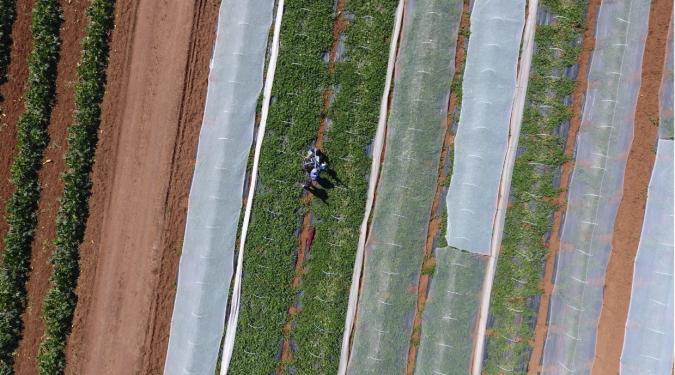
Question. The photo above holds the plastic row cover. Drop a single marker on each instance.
(205, 269)
(596, 186)
(480, 147)
(648, 343)
(666, 94)
(450, 312)
(395, 249)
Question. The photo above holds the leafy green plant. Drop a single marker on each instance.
(32, 138)
(7, 16)
(513, 304)
(59, 304)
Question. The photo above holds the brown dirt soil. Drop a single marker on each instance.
(619, 275)
(339, 26)
(436, 221)
(72, 31)
(11, 101)
(553, 245)
(151, 117)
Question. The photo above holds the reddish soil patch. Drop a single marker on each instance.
(72, 31)
(11, 104)
(619, 276)
(554, 243)
(436, 221)
(152, 113)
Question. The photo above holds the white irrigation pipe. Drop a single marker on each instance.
(505, 183)
(374, 173)
(231, 329)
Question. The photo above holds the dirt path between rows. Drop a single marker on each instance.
(436, 221)
(619, 275)
(152, 112)
(72, 31)
(578, 97)
(11, 102)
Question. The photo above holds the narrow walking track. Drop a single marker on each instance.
(630, 215)
(578, 97)
(72, 31)
(150, 115)
(182, 166)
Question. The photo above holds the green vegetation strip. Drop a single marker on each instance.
(522, 259)
(71, 220)
(7, 16)
(294, 118)
(359, 77)
(32, 138)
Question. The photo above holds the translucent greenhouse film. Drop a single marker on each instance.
(666, 94)
(205, 269)
(400, 220)
(648, 342)
(450, 313)
(596, 186)
(489, 85)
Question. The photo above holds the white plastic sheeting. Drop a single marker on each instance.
(395, 248)
(515, 125)
(596, 186)
(233, 317)
(489, 85)
(378, 145)
(214, 206)
(666, 94)
(648, 342)
(450, 313)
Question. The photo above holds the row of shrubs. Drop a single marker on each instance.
(7, 16)
(21, 210)
(272, 242)
(59, 304)
(515, 296)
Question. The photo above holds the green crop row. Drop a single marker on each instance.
(7, 16)
(359, 74)
(272, 243)
(71, 220)
(522, 259)
(21, 211)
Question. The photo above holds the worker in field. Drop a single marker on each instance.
(315, 159)
(314, 174)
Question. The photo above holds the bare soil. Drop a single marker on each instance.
(72, 31)
(11, 101)
(435, 221)
(152, 113)
(588, 44)
(619, 275)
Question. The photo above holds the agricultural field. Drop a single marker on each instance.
(426, 187)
